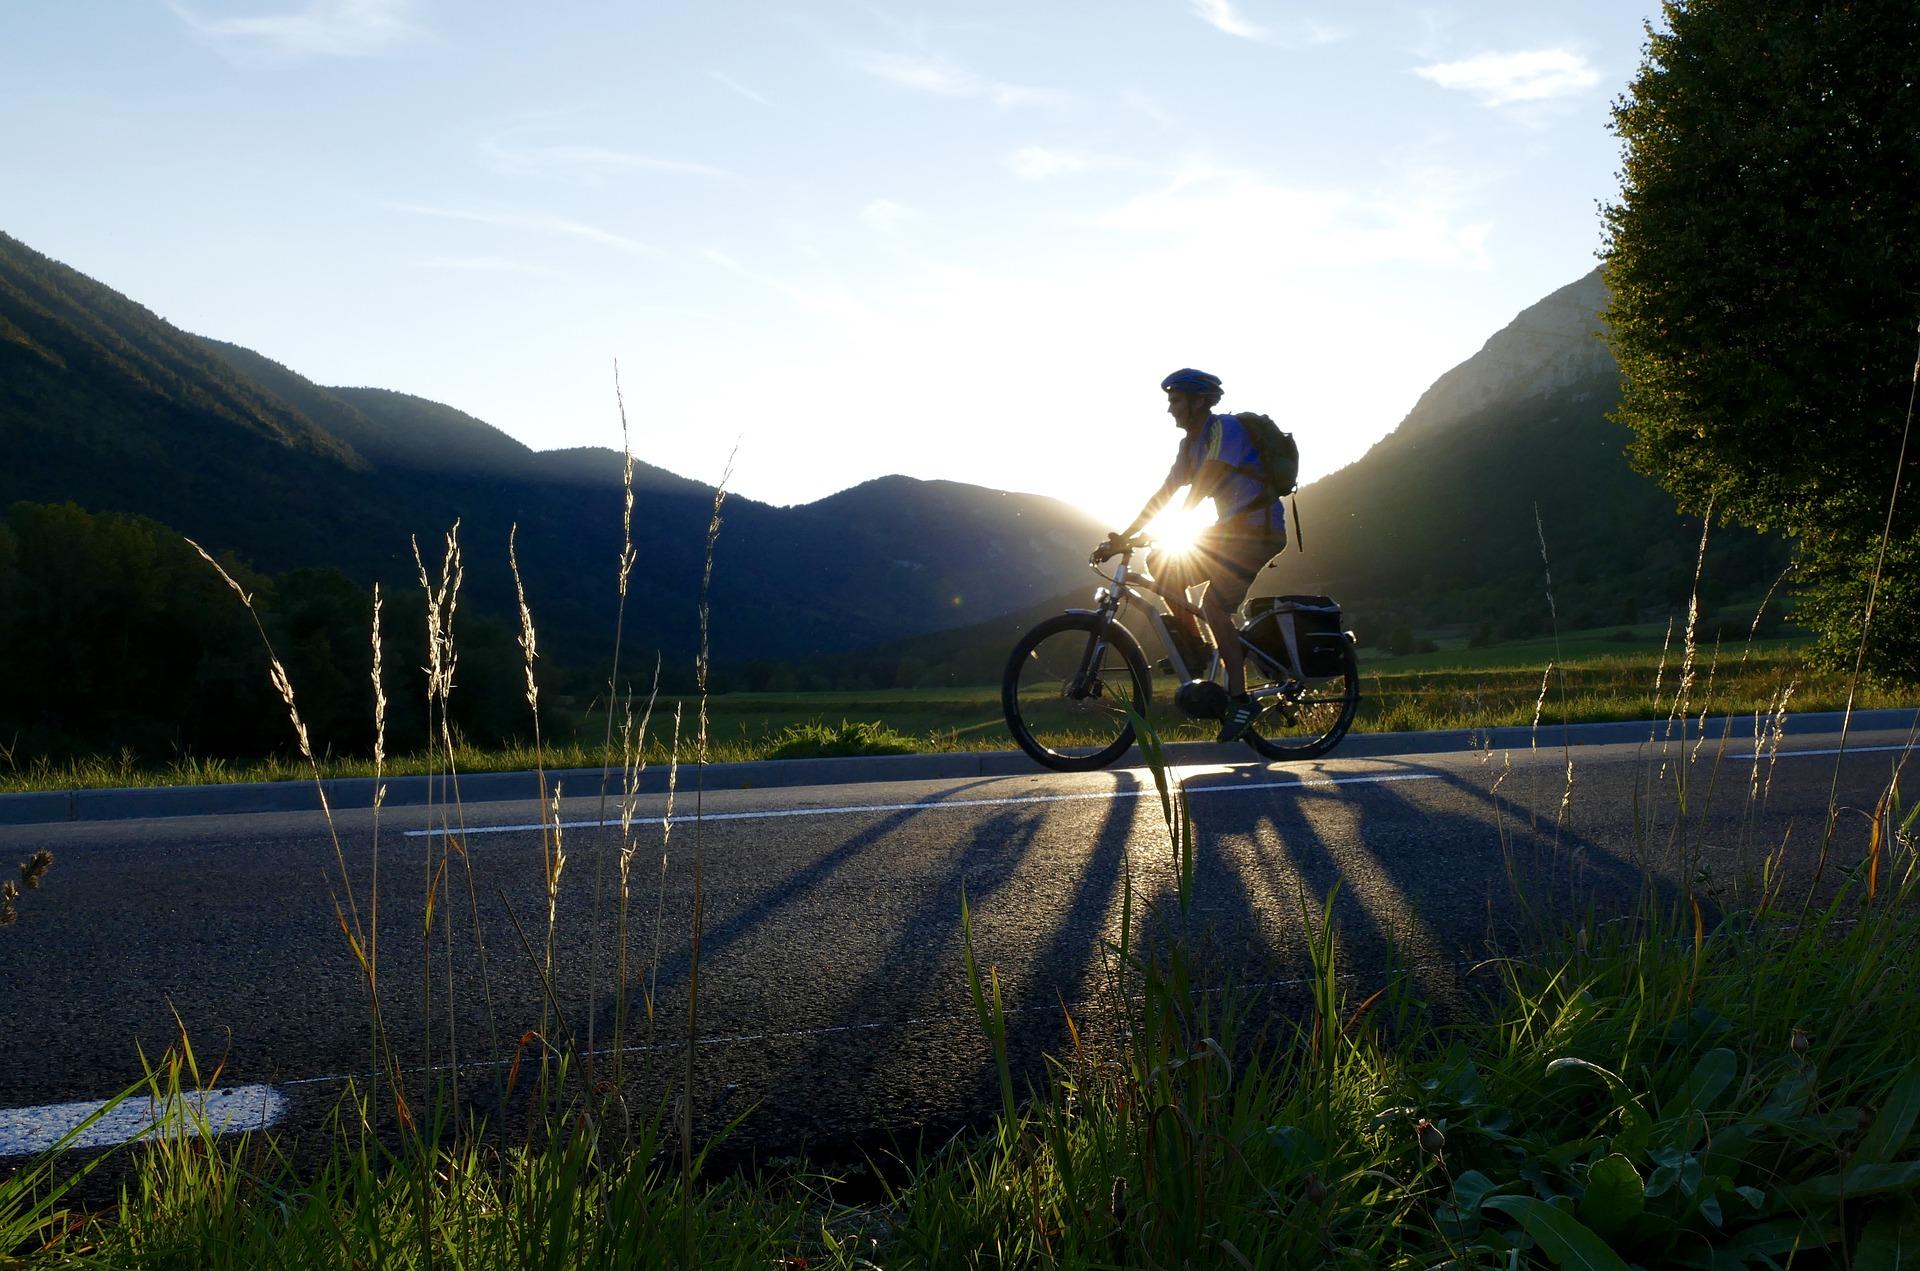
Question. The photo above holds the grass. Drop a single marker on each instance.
(1397, 695)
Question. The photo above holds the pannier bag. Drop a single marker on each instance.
(1301, 632)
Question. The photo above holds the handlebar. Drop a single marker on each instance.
(1118, 546)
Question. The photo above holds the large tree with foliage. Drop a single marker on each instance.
(1764, 259)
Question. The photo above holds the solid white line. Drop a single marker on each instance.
(227, 1110)
(1832, 750)
(1145, 792)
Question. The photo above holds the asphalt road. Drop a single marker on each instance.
(833, 1003)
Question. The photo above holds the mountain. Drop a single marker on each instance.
(105, 404)
(1507, 455)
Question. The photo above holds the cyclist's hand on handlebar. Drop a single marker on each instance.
(1115, 544)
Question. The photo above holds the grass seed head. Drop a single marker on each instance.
(34, 868)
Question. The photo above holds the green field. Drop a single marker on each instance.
(1596, 676)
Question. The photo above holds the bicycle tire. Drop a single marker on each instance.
(1020, 663)
(1350, 680)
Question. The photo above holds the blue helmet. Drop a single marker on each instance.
(1188, 380)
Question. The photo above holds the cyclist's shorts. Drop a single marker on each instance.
(1227, 555)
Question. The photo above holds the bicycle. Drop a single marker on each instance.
(1074, 682)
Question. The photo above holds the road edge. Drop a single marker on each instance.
(348, 793)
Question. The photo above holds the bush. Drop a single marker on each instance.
(817, 740)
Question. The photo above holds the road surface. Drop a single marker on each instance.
(833, 1005)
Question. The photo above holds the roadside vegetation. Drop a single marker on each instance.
(1594, 679)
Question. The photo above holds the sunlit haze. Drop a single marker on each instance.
(959, 241)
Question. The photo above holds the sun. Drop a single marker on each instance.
(1176, 528)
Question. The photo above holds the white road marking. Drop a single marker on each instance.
(1831, 750)
(227, 1110)
(771, 814)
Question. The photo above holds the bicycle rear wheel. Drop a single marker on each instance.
(1067, 690)
(1307, 718)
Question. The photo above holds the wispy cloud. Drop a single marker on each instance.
(1224, 16)
(729, 81)
(1501, 79)
(1040, 163)
(827, 300)
(535, 222)
(507, 154)
(1228, 221)
(927, 73)
(324, 28)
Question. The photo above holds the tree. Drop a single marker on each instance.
(1764, 261)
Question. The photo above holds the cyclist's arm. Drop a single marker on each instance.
(1177, 478)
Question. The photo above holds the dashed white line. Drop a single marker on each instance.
(224, 1110)
(937, 805)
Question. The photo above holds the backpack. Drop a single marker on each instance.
(1279, 456)
(1279, 467)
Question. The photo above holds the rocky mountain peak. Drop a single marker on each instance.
(1551, 345)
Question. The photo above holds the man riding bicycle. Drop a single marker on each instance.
(1217, 459)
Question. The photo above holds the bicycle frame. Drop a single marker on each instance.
(1126, 584)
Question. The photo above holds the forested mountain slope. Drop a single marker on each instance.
(105, 404)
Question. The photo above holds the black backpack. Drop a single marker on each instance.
(1279, 467)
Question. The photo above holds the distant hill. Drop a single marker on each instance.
(1436, 523)
(105, 404)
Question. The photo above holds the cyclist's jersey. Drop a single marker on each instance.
(1220, 460)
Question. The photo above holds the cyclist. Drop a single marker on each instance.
(1217, 459)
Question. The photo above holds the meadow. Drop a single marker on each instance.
(1584, 677)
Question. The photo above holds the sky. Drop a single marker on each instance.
(958, 241)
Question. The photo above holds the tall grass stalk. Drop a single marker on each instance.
(1559, 659)
(359, 941)
(615, 695)
(1866, 618)
(702, 667)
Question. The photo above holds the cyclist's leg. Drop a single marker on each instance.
(1230, 554)
(1220, 618)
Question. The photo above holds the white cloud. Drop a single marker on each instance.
(1040, 163)
(729, 81)
(537, 222)
(1500, 79)
(1223, 16)
(324, 28)
(592, 163)
(929, 74)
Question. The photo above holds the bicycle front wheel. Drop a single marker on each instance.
(1068, 687)
(1307, 718)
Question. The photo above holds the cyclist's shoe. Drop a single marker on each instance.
(1241, 712)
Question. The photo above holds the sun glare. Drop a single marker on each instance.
(1176, 528)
